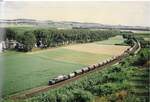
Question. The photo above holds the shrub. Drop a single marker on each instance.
(82, 96)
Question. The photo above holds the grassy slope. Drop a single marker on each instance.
(146, 36)
(25, 71)
(72, 56)
(112, 41)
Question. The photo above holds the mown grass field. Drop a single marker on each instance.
(27, 70)
(146, 36)
(113, 40)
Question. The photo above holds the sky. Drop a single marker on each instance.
(111, 12)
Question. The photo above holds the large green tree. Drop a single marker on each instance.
(10, 34)
(45, 37)
(42, 37)
(28, 41)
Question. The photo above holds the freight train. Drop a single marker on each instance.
(132, 50)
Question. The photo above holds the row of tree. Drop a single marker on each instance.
(43, 38)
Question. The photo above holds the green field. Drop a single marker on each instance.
(111, 41)
(146, 36)
(23, 71)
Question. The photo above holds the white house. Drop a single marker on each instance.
(2, 46)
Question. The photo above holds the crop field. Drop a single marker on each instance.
(29, 70)
(111, 50)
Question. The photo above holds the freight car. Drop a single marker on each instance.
(91, 67)
(78, 72)
(107, 61)
(111, 59)
(104, 62)
(71, 75)
(100, 64)
(86, 69)
(96, 65)
(114, 58)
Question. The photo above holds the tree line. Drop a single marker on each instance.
(27, 38)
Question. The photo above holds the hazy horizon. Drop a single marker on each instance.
(112, 13)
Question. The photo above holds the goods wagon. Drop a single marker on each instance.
(96, 65)
(85, 69)
(91, 67)
(78, 72)
(71, 75)
(100, 63)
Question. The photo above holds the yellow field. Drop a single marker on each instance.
(113, 50)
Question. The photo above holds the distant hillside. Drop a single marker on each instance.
(67, 24)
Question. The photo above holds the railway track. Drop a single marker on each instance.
(37, 90)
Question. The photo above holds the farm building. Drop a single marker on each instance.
(7, 45)
(2, 46)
